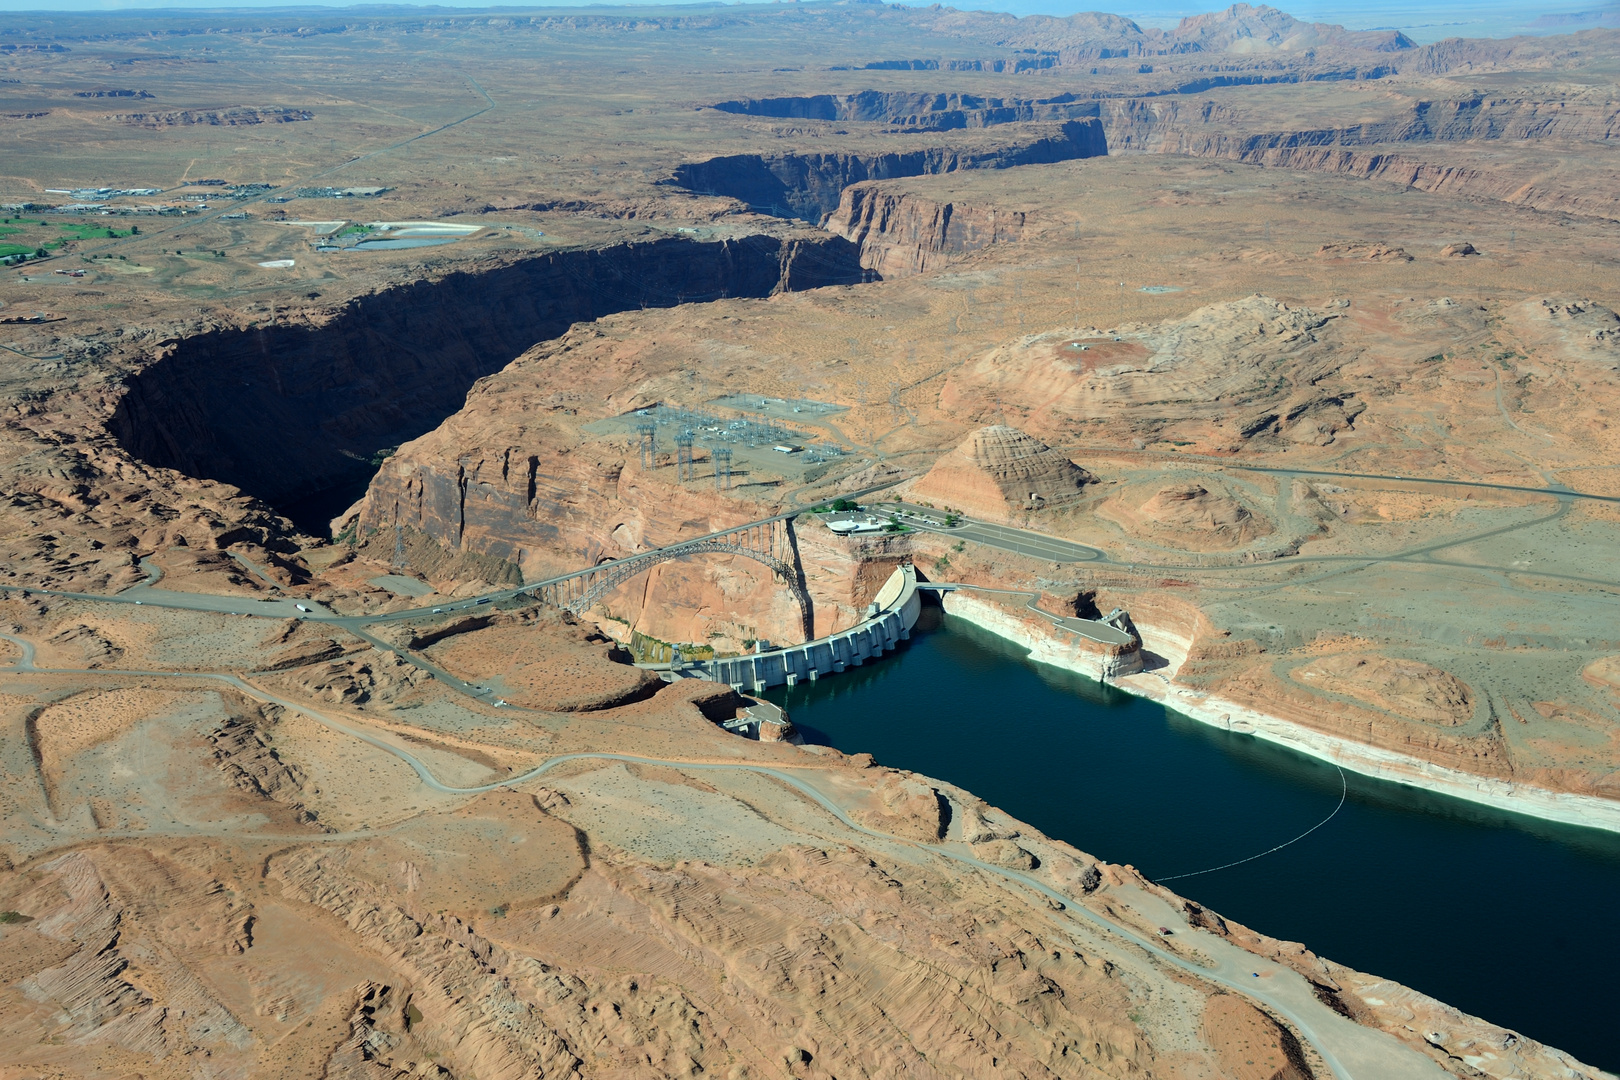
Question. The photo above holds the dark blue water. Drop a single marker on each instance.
(1507, 917)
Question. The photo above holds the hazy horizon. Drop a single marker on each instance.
(1423, 23)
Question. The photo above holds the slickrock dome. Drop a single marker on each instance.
(999, 472)
(1190, 507)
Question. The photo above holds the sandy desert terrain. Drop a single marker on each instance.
(315, 325)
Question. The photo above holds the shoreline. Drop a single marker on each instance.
(1387, 765)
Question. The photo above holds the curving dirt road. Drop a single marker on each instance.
(1352, 1051)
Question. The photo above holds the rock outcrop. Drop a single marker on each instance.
(999, 473)
(1406, 687)
(1572, 328)
(901, 233)
(1194, 515)
(1251, 368)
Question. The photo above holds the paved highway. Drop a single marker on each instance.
(1020, 541)
(1003, 537)
(1557, 492)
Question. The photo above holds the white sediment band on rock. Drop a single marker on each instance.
(1047, 646)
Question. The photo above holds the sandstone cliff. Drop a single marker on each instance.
(913, 111)
(1430, 145)
(904, 233)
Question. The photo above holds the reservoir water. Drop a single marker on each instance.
(1506, 917)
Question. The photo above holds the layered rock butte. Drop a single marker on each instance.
(998, 472)
(1213, 295)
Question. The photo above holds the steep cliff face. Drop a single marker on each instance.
(1396, 148)
(289, 410)
(901, 233)
(729, 601)
(515, 486)
(1523, 186)
(1207, 128)
(539, 505)
(917, 112)
(542, 507)
(808, 186)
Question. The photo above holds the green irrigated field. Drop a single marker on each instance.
(86, 231)
(29, 236)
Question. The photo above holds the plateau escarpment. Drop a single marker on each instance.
(1544, 152)
(912, 111)
(283, 411)
(809, 186)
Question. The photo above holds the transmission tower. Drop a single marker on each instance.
(722, 468)
(683, 457)
(649, 445)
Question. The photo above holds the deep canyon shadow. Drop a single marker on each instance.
(808, 186)
(297, 415)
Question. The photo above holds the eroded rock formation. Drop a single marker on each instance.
(999, 472)
(901, 234)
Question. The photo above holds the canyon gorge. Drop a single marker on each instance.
(1293, 347)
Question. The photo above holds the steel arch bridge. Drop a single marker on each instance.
(770, 542)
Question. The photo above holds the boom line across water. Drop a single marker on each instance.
(1344, 792)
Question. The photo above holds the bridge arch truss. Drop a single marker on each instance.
(770, 542)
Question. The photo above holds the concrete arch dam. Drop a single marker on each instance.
(889, 620)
